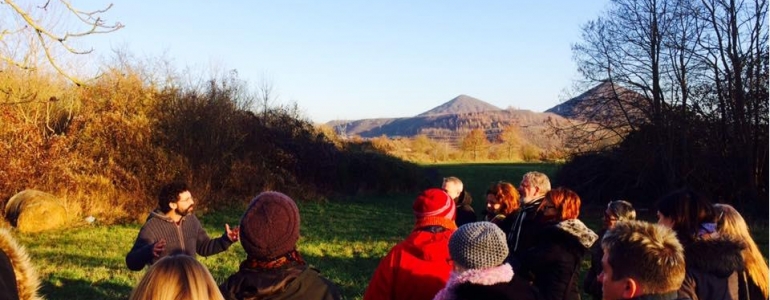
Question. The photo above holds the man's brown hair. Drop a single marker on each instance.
(648, 253)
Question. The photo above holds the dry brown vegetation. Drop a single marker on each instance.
(106, 147)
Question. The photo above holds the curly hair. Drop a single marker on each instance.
(169, 193)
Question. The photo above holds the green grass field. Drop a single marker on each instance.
(345, 240)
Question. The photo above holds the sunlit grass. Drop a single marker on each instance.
(345, 239)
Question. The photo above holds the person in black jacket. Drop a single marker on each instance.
(521, 228)
(479, 250)
(641, 261)
(273, 268)
(714, 262)
(553, 263)
(464, 213)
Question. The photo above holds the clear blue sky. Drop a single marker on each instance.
(368, 59)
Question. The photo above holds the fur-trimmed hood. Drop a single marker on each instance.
(27, 281)
(490, 276)
(719, 256)
(580, 231)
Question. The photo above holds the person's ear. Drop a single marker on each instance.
(173, 205)
(630, 288)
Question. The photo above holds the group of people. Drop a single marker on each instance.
(269, 230)
(529, 245)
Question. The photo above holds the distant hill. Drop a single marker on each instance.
(450, 121)
(603, 116)
(462, 104)
(607, 103)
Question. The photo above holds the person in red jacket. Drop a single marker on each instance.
(419, 266)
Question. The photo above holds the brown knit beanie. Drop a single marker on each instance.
(270, 226)
(478, 245)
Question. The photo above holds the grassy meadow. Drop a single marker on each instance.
(343, 238)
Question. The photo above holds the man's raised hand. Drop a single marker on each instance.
(233, 234)
(158, 247)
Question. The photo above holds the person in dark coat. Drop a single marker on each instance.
(479, 250)
(754, 280)
(714, 262)
(462, 198)
(617, 211)
(641, 261)
(273, 268)
(521, 228)
(553, 264)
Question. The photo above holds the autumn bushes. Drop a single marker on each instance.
(106, 148)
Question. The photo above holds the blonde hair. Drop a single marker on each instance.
(732, 225)
(656, 255)
(177, 277)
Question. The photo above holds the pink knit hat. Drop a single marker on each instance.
(434, 207)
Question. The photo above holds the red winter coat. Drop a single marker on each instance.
(415, 269)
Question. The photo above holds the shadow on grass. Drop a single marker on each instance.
(64, 288)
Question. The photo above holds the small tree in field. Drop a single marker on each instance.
(510, 140)
(421, 145)
(475, 143)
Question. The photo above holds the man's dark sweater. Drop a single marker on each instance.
(188, 237)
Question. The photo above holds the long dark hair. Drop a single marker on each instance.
(688, 210)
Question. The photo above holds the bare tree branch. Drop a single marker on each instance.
(92, 19)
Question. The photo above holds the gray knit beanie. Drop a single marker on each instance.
(478, 245)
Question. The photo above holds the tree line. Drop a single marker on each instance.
(474, 145)
(702, 69)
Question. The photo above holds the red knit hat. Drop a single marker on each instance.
(270, 226)
(434, 207)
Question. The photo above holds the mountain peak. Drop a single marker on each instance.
(460, 105)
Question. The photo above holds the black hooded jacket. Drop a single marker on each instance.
(713, 267)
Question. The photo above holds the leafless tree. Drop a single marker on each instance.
(701, 67)
(37, 38)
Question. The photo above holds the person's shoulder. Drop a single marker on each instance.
(317, 283)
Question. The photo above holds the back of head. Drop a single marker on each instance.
(270, 226)
(177, 277)
(688, 210)
(566, 201)
(648, 253)
(732, 225)
(169, 193)
(478, 245)
(623, 210)
(434, 207)
(537, 179)
(453, 186)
